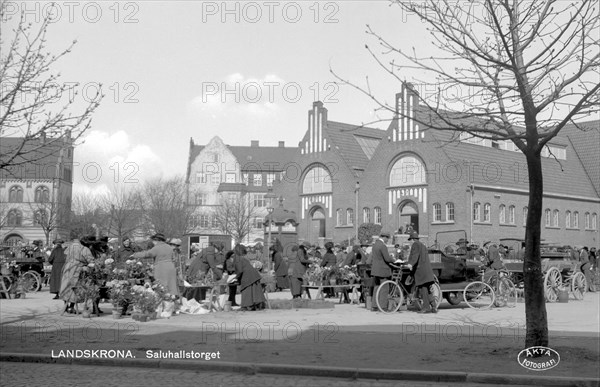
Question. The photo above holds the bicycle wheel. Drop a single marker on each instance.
(578, 285)
(479, 295)
(389, 297)
(31, 281)
(506, 295)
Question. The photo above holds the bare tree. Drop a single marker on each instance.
(30, 97)
(163, 205)
(122, 203)
(86, 211)
(526, 69)
(49, 215)
(234, 216)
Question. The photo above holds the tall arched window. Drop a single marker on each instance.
(576, 219)
(511, 215)
(340, 216)
(476, 212)
(502, 214)
(407, 170)
(547, 216)
(349, 216)
(555, 218)
(586, 220)
(366, 215)
(14, 218)
(450, 212)
(377, 214)
(568, 219)
(437, 212)
(15, 194)
(487, 209)
(42, 194)
(316, 180)
(594, 221)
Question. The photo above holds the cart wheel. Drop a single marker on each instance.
(436, 291)
(31, 281)
(552, 281)
(578, 285)
(506, 294)
(393, 297)
(479, 295)
(453, 298)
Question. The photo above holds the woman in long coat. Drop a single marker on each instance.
(281, 270)
(298, 265)
(76, 257)
(57, 260)
(164, 268)
(249, 278)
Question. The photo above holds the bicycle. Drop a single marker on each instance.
(495, 289)
(13, 277)
(397, 294)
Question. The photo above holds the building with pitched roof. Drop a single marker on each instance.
(36, 190)
(343, 175)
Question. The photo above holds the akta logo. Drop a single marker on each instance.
(538, 358)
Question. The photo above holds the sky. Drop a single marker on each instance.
(175, 70)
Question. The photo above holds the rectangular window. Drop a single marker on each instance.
(450, 212)
(270, 179)
(230, 178)
(486, 212)
(215, 179)
(204, 221)
(245, 178)
(349, 217)
(200, 178)
(258, 200)
(201, 199)
(377, 215)
(214, 222)
(258, 223)
(257, 180)
(437, 212)
(476, 212)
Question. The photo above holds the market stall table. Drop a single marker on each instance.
(344, 288)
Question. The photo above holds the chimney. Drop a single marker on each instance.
(282, 144)
(254, 143)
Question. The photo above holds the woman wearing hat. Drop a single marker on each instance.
(249, 279)
(164, 268)
(57, 260)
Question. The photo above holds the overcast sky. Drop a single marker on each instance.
(166, 68)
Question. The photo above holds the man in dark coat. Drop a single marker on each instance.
(380, 267)
(281, 270)
(57, 260)
(422, 272)
(249, 279)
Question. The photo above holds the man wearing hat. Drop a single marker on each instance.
(422, 272)
(462, 246)
(380, 267)
(57, 260)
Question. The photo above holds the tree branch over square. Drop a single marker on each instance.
(31, 106)
(520, 71)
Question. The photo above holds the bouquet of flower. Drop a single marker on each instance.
(120, 291)
(348, 273)
(145, 298)
(315, 273)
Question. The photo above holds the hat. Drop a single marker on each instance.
(126, 239)
(486, 243)
(329, 245)
(58, 241)
(462, 240)
(413, 235)
(38, 242)
(175, 241)
(158, 237)
(384, 234)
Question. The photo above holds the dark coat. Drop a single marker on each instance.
(122, 255)
(281, 267)
(380, 258)
(246, 274)
(419, 259)
(493, 258)
(329, 260)
(57, 260)
(298, 264)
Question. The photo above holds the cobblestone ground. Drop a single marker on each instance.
(30, 374)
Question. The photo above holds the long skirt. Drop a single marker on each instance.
(55, 277)
(282, 282)
(296, 285)
(252, 295)
(165, 273)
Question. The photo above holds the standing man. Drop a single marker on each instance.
(422, 272)
(380, 267)
(584, 266)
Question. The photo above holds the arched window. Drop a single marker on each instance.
(547, 217)
(339, 216)
(377, 213)
(349, 216)
(476, 212)
(316, 180)
(15, 194)
(511, 215)
(450, 212)
(555, 218)
(525, 216)
(40, 218)
(568, 219)
(407, 170)
(42, 194)
(487, 209)
(437, 212)
(14, 218)
(576, 219)
(366, 215)
(502, 214)
(586, 219)
(594, 221)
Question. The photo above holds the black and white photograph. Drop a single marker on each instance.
(300, 193)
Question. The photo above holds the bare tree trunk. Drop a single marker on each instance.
(535, 305)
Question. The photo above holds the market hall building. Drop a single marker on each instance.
(342, 175)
